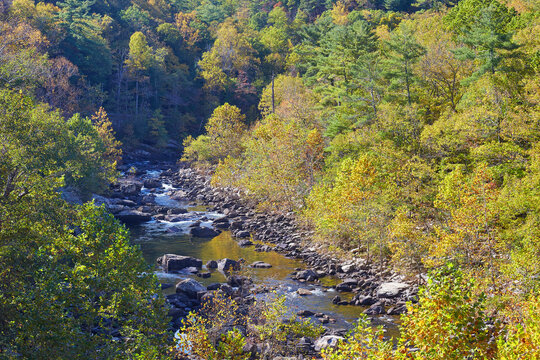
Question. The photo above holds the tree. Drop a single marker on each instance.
(470, 237)
(230, 54)
(485, 38)
(352, 209)
(139, 61)
(449, 294)
(403, 51)
(224, 130)
(71, 281)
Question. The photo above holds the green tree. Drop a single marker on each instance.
(403, 51)
(72, 285)
(485, 39)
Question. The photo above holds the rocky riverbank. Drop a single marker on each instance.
(381, 290)
(133, 200)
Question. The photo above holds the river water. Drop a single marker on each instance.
(156, 238)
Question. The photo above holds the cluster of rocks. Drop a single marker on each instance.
(373, 285)
(191, 294)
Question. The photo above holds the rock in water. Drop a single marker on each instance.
(132, 217)
(152, 183)
(190, 287)
(303, 292)
(260, 265)
(228, 264)
(308, 275)
(203, 232)
(130, 188)
(173, 262)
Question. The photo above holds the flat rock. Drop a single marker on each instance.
(260, 265)
(173, 262)
(391, 289)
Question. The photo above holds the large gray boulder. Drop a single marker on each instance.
(190, 287)
(228, 264)
(152, 183)
(308, 275)
(173, 262)
(203, 232)
(130, 188)
(132, 217)
(391, 289)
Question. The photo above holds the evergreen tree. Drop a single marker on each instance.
(403, 51)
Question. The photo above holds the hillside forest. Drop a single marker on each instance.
(406, 132)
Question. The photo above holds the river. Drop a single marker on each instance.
(156, 238)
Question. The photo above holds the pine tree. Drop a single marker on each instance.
(403, 52)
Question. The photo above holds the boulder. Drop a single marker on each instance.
(327, 341)
(303, 292)
(214, 286)
(152, 183)
(228, 264)
(176, 211)
(130, 188)
(132, 217)
(305, 313)
(391, 289)
(203, 232)
(212, 264)
(173, 262)
(242, 234)
(347, 285)
(365, 301)
(375, 309)
(308, 275)
(348, 268)
(190, 287)
(238, 281)
(245, 243)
